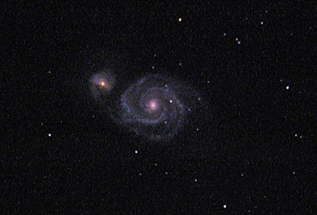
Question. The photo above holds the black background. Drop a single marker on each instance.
(250, 148)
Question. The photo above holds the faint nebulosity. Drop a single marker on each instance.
(101, 83)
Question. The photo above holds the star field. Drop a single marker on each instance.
(247, 138)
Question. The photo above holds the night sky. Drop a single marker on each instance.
(248, 145)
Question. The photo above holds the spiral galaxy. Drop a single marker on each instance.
(153, 107)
